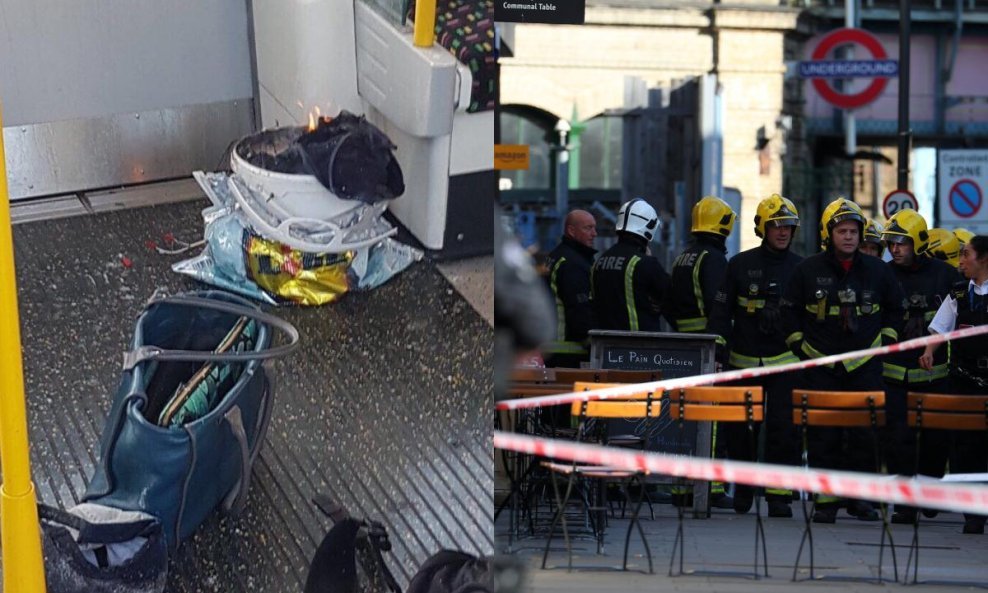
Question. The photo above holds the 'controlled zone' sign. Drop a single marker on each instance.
(962, 178)
(879, 68)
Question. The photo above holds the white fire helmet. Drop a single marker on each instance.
(639, 218)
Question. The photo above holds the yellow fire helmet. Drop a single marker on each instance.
(837, 212)
(963, 235)
(713, 215)
(774, 211)
(907, 224)
(873, 232)
(944, 245)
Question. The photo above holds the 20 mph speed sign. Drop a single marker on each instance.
(899, 199)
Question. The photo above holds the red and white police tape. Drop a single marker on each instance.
(711, 378)
(925, 493)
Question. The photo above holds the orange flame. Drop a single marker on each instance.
(316, 117)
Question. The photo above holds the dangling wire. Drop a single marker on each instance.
(174, 246)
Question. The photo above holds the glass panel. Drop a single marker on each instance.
(395, 11)
(600, 153)
(517, 129)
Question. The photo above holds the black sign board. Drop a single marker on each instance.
(553, 12)
(676, 355)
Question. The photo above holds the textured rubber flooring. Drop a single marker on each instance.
(385, 407)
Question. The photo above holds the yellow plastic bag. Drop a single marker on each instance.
(296, 276)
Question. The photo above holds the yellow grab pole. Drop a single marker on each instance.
(425, 23)
(23, 568)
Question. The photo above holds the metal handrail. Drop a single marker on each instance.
(20, 535)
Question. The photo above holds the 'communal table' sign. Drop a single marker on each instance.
(553, 12)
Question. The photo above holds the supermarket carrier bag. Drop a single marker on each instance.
(97, 549)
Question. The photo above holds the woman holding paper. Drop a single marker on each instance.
(967, 306)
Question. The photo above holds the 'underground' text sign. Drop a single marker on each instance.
(879, 68)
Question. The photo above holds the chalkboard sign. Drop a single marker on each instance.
(673, 362)
(676, 355)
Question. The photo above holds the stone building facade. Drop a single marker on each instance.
(562, 69)
(779, 136)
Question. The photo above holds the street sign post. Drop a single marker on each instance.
(899, 199)
(962, 181)
(879, 68)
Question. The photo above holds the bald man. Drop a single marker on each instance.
(569, 279)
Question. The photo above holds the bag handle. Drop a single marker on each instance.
(377, 540)
(142, 353)
(236, 499)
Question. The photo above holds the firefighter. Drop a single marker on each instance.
(696, 275)
(965, 306)
(749, 297)
(871, 241)
(944, 245)
(699, 270)
(963, 235)
(836, 301)
(925, 282)
(569, 280)
(629, 285)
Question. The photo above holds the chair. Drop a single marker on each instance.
(535, 382)
(847, 409)
(625, 440)
(520, 468)
(938, 411)
(720, 404)
(591, 427)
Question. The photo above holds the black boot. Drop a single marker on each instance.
(744, 497)
(974, 524)
(779, 507)
(862, 510)
(682, 499)
(720, 500)
(825, 514)
(904, 515)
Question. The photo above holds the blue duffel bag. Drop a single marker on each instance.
(191, 411)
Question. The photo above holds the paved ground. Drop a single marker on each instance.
(473, 278)
(723, 543)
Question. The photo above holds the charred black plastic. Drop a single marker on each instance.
(352, 159)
